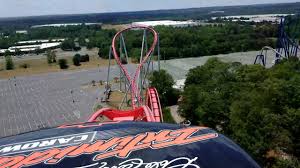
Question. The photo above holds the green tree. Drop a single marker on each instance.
(68, 45)
(9, 63)
(38, 51)
(164, 82)
(82, 41)
(258, 108)
(85, 58)
(51, 57)
(63, 64)
(7, 53)
(76, 59)
(89, 45)
(104, 52)
(18, 52)
(135, 54)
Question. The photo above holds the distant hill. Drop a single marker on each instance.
(177, 14)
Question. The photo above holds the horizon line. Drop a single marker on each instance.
(133, 11)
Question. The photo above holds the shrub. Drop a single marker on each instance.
(76, 60)
(89, 45)
(93, 82)
(77, 48)
(85, 58)
(51, 57)
(9, 63)
(25, 66)
(68, 45)
(63, 64)
(104, 53)
(124, 60)
(98, 107)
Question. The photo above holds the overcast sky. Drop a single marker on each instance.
(12, 8)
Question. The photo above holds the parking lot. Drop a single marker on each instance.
(34, 102)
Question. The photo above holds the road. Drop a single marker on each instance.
(174, 113)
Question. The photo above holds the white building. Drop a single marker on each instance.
(31, 48)
(40, 41)
(216, 12)
(21, 32)
(166, 23)
(275, 18)
(65, 25)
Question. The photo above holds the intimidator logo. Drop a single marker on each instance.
(118, 146)
(47, 143)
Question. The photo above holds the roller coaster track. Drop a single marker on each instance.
(151, 112)
(285, 44)
(286, 47)
(154, 103)
(134, 88)
(148, 110)
(262, 57)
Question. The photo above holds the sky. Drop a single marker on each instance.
(13, 8)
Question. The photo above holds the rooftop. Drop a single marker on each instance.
(166, 23)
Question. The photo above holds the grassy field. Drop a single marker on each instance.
(116, 100)
(39, 65)
(116, 27)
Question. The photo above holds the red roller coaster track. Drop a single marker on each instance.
(151, 110)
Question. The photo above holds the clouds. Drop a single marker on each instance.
(10, 8)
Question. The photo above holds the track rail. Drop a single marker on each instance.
(286, 47)
(149, 110)
(134, 89)
(153, 103)
(262, 58)
(142, 113)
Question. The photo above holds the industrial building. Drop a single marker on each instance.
(167, 23)
(274, 18)
(31, 48)
(65, 25)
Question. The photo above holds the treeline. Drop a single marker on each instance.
(292, 27)
(174, 42)
(258, 108)
(212, 40)
(204, 40)
(91, 36)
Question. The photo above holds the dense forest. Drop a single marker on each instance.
(258, 108)
(174, 42)
(212, 40)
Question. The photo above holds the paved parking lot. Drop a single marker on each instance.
(34, 102)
